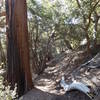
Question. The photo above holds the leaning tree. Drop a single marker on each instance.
(18, 67)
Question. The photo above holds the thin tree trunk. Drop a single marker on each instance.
(88, 43)
(95, 30)
(18, 46)
(2, 54)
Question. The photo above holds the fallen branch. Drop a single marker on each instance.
(76, 86)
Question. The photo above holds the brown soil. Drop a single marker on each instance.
(67, 64)
(36, 94)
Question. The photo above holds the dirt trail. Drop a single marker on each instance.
(66, 64)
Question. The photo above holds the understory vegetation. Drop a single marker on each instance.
(54, 26)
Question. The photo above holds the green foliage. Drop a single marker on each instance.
(5, 92)
(62, 18)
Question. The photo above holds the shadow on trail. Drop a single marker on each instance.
(37, 94)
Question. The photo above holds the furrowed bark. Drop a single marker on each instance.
(18, 70)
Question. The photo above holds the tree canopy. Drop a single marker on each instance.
(33, 32)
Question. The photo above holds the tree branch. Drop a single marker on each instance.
(78, 3)
(93, 9)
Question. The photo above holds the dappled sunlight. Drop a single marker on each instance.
(49, 81)
(42, 41)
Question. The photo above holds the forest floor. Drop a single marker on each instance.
(67, 64)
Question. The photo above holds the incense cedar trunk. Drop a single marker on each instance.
(18, 70)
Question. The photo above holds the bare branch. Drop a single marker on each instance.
(78, 3)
